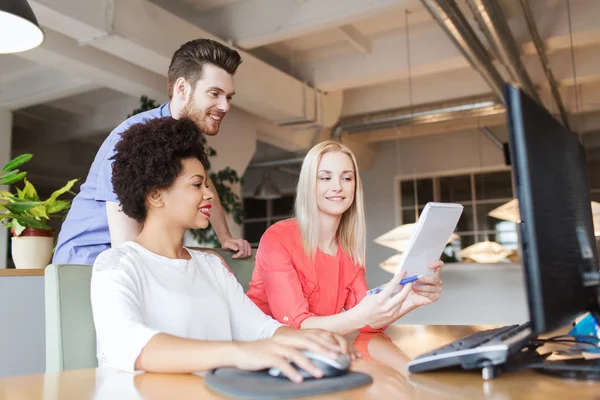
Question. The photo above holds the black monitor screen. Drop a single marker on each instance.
(557, 237)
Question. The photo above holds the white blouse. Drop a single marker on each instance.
(136, 294)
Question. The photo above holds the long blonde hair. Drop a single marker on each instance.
(352, 229)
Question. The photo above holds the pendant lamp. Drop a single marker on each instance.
(19, 29)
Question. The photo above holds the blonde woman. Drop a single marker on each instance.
(310, 268)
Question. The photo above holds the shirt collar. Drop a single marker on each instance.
(165, 110)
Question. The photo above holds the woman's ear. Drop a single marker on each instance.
(155, 199)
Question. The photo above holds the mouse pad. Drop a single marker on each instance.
(234, 382)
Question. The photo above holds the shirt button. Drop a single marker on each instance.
(285, 318)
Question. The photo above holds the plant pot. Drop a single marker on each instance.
(33, 248)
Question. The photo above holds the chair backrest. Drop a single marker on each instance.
(241, 267)
(70, 333)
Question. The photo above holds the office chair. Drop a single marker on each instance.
(241, 268)
(70, 333)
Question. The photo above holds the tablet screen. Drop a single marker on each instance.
(429, 238)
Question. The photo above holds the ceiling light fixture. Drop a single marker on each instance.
(19, 29)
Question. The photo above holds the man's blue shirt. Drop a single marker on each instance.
(84, 233)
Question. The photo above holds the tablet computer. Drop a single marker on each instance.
(429, 238)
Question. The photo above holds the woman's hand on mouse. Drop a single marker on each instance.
(287, 345)
(316, 340)
(269, 353)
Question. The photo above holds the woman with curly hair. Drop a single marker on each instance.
(159, 306)
(311, 268)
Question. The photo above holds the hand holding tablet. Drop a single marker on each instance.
(428, 240)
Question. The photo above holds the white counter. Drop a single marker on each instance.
(22, 327)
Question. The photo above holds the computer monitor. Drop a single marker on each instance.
(558, 246)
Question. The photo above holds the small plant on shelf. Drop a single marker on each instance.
(28, 216)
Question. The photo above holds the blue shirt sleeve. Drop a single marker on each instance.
(104, 187)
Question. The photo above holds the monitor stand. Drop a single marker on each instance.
(578, 368)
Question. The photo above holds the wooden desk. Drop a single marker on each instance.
(21, 272)
(384, 358)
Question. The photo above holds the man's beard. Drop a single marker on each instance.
(199, 117)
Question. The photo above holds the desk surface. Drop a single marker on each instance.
(384, 358)
(21, 272)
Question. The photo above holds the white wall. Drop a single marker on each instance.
(476, 294)
(5, 153)
(236, 142)
(22, 326)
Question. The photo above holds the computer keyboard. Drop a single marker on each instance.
(477, 350)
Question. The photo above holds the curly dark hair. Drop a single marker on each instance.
(188, 61)
(148, 157)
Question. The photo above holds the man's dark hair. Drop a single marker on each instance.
(188, 61)
(149, 157)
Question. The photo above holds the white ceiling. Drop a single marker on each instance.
(11, 65)
(206, 5)
(355, 49)
(96, 97)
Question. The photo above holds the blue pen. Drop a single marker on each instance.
(402, 282)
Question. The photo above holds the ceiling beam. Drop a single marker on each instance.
(337, 68)
(133, 36)
(63, 53)
(40, 85)
(102, 120)
(466, 82)
(288, 19)
(286, 138)
(446, 86)
(553, 23)
(587, 66)
(36, 126)
(72, 106)
(359, 41)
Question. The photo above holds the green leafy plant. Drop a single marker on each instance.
(145, 105)
(222, 180)
(25, 208)
(10, 173)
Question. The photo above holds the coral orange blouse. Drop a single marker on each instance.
(289, 287)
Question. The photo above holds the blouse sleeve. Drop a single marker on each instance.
(357, 291)
(282, 282)
(248, 322)
(120, 327)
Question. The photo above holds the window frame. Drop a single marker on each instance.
(473, 202)
(269, 219)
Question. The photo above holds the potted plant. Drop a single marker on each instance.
(27, 216)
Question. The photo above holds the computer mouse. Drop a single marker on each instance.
(330, 366)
